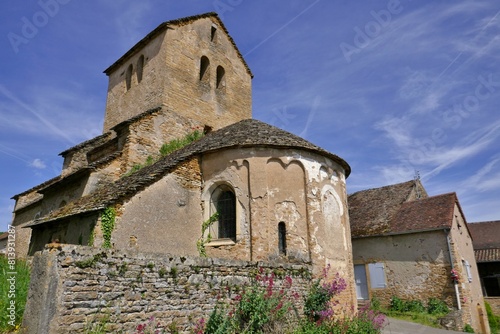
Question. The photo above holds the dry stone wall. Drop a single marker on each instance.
(73, 287)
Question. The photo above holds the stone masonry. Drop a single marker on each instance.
(73, 287)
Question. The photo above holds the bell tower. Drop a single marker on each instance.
(190, 66)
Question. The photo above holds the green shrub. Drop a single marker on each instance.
(21, 279)
(375, 304)
(415, 306)
(437, 307)
(493, 320)
(263, 307)
(468, 329)
(397, 304)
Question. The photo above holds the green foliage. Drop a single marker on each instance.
(21, 281)
(107, 226)
(168, 148)
(162, 272)
(259, 307)
(316, 301)
(200, 244)
(414, 310)
(437, 307)
(177, 144)
(356, 325)
(468, 329)
(149, 160)
(397, 304)
(92, 236)
(97, 326)
(173, 272)
(375, 304)
(412, 306)
(264, 307)
(493, 320)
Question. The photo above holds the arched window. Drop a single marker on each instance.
(128, 76)
(140, 66)
(225, 204)
(282, 238)
(204, 68)
(221, 81)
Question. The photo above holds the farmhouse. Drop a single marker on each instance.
(406, 244)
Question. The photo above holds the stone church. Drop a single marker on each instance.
(278, 197)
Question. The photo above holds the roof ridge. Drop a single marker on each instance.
(383, 187)
(164, 25)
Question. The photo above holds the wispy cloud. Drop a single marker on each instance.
(63, 115)
(38, 164)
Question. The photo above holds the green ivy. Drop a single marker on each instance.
(107, 225)
(200, 244)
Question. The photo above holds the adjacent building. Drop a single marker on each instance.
(406, 243)
(486, 241)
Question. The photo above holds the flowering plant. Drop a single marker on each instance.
(454, 276)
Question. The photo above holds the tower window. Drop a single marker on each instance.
(128, 76)
(282, 238)
(140, 66)
(221, 81)
(204, 68)
(213, 32)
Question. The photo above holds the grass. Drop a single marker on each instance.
(10, 297)
(417, 317)
(414, 310)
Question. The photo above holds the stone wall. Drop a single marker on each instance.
(494, 303)
(171, 76)
(416, 266)
(73, 287)
(472, 302)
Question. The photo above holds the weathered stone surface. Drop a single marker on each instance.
(55, 306)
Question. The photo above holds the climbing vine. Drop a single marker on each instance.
(200, 244)
(107, 225)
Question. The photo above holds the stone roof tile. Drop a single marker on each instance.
(246, 133)
(390, 210)
(370, 211)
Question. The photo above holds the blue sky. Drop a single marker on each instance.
(393, 87)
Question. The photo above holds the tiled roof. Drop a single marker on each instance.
(181, 21)
(4, 235)
(487, 255)
(430, 213)
(391, 210)
(246, 133)
(485, 234)
(370, 211)
(93, 142)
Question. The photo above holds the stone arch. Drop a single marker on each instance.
(204, 69)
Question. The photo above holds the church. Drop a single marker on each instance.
(235, 188)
